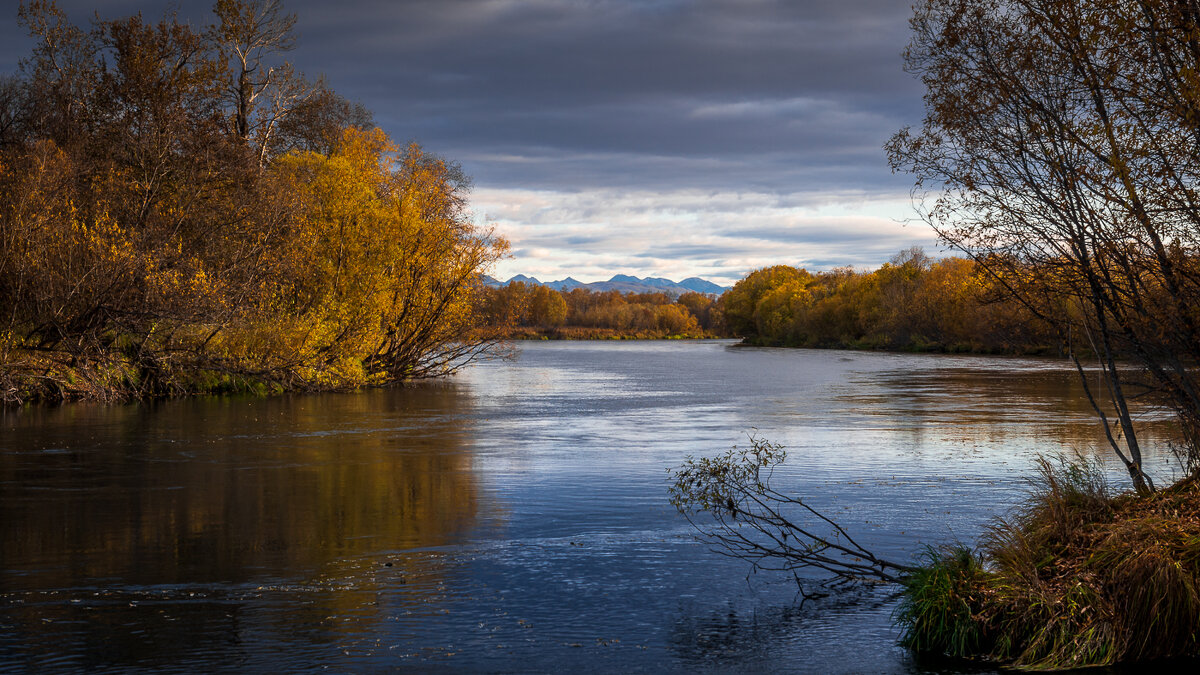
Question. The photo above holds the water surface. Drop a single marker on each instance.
(511, 519)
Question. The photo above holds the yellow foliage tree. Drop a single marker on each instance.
(375, 277)
(745, 312)
(150, 247)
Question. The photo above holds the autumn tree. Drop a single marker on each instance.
(504, 306)
(581, 312)
(250, 33)
(162, 230)
(314, 122)
(547, 308)
(1060, 150)
(756, 306)
(59, 77)
(702, 306)
(123, 149)
(375, 277)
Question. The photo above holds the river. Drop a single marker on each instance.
(513, 518)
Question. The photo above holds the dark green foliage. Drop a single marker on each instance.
(940, 603)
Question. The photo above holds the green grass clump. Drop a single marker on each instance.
(1075, 577)
(941, 603)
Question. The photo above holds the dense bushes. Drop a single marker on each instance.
(169, 223)
(529, 310)
(912, 302)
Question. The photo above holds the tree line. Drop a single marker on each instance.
(913, 303)
(531, 310)
(181, 211)
(910, 303)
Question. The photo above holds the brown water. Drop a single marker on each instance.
(512, 519)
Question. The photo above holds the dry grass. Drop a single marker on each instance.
(1076, 577)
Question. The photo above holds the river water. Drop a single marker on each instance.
(511, 519)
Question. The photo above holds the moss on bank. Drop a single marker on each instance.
(120, 381)
(1075, 577)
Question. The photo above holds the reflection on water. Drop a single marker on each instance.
(157, 522)
(514, 519)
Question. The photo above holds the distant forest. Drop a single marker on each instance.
(521, 310)
(912, 303)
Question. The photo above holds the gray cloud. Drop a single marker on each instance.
(778, 95)
(608, 107)
(722, 235)
(817, 232)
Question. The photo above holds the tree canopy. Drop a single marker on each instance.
(911, 302)
(1061, 150)
(181, 211)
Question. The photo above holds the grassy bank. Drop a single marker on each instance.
(1076, 577)
(118, 380)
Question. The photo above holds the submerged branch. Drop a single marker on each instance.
(730, 502)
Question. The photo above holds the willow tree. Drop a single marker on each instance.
(375, 278)
(163, 228)
(1061, 149)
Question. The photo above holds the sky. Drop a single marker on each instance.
(666, 138)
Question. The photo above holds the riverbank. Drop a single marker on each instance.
(915, 346)
(585, 333)
(1076, 577)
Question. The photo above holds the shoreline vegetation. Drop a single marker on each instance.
(1080, 575)
(523, 311)
(182, 212)
(911, 303)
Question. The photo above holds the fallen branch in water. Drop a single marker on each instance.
(752, 521)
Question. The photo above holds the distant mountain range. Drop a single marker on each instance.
(621, 282)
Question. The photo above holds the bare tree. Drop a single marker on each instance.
(59, 76)
(1061, 149)
(251, 32)
(315, 121)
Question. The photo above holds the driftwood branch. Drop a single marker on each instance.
(730, 502)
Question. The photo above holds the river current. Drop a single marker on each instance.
(513, 518)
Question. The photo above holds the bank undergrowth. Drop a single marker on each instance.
(1077, 576)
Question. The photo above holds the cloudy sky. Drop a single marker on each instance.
(669, 138)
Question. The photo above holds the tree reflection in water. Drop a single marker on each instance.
(168, 519)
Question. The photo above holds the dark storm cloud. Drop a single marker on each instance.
(780, 95)
(604, 130)
(777, 95)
